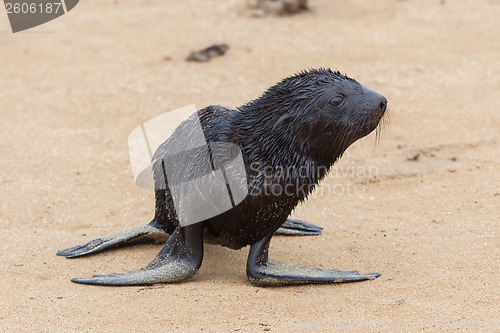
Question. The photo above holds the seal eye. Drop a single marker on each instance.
(336, 101)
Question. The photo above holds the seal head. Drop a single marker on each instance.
(318, 113)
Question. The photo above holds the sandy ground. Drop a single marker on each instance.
(72, 90)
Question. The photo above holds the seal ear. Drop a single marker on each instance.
(284, 120)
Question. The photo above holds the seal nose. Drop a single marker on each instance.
(383, 104)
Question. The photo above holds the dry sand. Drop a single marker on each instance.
(73, 89)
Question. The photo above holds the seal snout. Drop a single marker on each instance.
(382, 106)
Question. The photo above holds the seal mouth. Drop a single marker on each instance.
(373, 121)
(379, 119)
(362, 124)
(383, 120)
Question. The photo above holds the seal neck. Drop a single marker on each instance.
(270, 136)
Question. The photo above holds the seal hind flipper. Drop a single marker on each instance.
(293, 227)
(179, 259)
(162, 224)
(264, 272)
(138, 234)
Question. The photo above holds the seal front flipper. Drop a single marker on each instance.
(264, 272)
(179, 259)
(137, 234)
(293, 227)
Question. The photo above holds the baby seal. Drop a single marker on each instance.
(288, 140)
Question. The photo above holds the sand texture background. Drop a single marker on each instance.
(421, 208)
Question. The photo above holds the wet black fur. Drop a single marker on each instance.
(290, 129)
